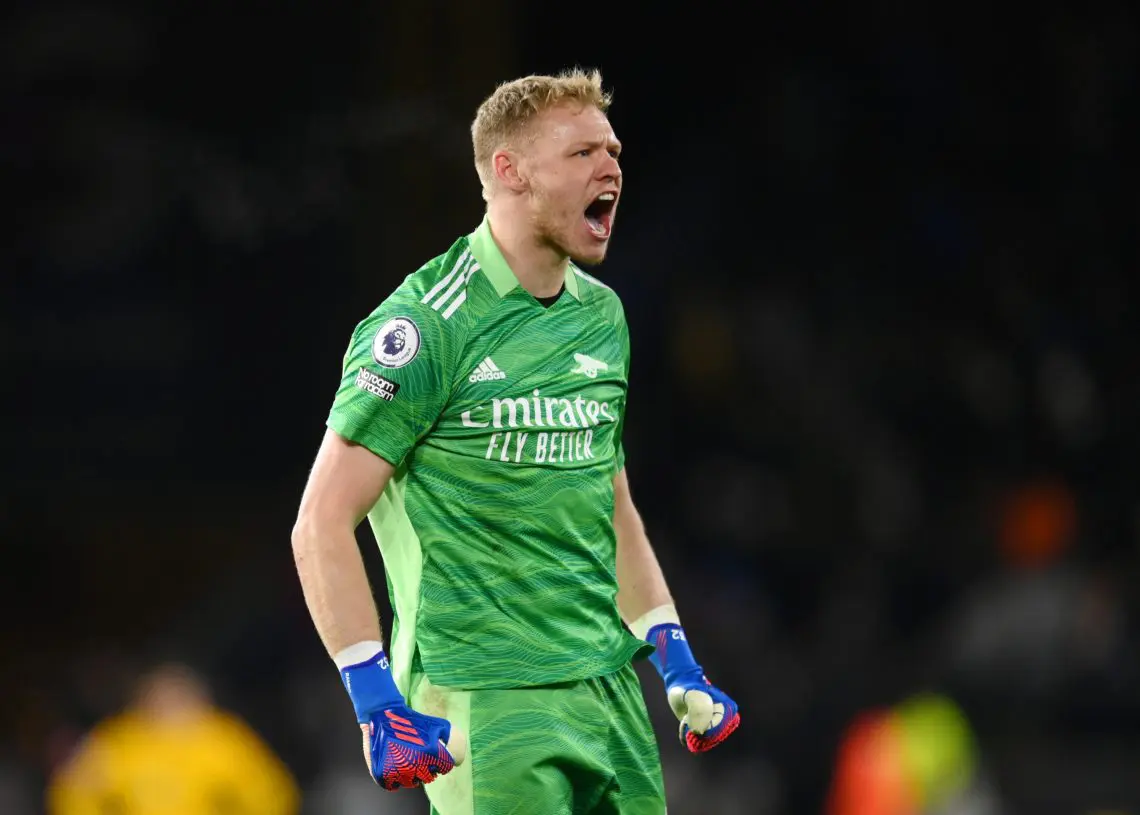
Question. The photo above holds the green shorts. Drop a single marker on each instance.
(576, 748)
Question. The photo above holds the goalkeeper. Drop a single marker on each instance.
(478, 426)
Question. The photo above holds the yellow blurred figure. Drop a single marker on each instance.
(173, 752)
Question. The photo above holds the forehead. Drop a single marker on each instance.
(570, 122)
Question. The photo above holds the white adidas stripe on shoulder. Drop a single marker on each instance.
(443, 281)
(453, 286)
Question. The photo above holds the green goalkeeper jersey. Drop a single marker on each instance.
(503, 419)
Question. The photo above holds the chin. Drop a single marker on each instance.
(588, 260)
(590, 254)
(583, 250)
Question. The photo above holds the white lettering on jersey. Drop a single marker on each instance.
(576, 416)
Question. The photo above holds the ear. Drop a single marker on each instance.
(506, 163)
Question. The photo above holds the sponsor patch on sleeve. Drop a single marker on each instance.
(376, 385)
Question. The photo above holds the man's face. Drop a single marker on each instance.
(571, 167)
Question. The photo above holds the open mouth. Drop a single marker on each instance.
(599, 215)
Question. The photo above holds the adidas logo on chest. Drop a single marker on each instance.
(486, 371)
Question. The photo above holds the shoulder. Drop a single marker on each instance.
(597, 295)
(428, 307)
(106, 737)
(229, 726)
(441, 284)
(438, 286)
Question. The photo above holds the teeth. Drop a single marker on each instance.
(606, 196)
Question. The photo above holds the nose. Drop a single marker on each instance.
(610, 170)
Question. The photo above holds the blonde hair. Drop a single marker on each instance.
(506, 113)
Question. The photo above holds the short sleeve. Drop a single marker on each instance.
(619, 447)
(395, 379)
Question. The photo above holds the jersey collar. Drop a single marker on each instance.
(495, 267)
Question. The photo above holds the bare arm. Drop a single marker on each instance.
(345, 482)
(707, 715)
(641, 583)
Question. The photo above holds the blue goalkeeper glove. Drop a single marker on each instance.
(707, 715)
(402, 748)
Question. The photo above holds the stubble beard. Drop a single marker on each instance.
(545, 222)
(555, 230)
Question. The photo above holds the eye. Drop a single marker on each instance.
(615, 153)
(584, 152)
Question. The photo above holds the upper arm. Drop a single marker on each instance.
(346, 481)
(621, 488)
(394, 382)
(396, 377)
(626, 517)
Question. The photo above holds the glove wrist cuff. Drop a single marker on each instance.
(672, 656)
(666, 613)
(370, 686)
(357, 654)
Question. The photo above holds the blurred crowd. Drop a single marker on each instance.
(883, 414)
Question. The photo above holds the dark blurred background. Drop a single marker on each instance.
(880, 266)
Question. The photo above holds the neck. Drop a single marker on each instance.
(540, 268)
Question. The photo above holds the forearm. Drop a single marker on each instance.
(335, 584)
(641, 583)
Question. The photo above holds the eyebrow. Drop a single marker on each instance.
(614, 142)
